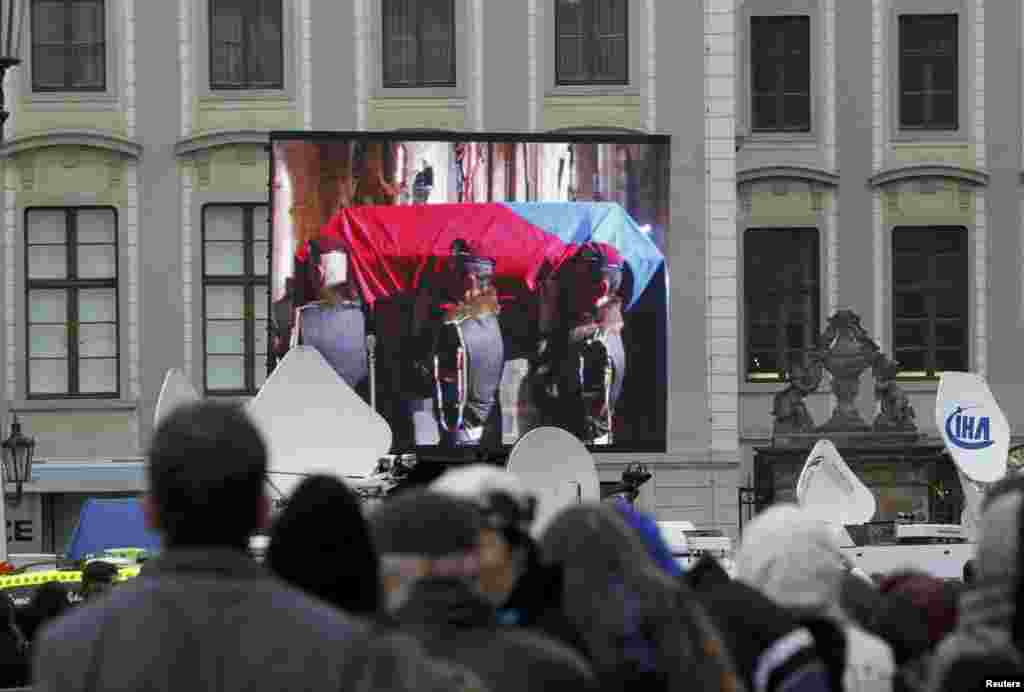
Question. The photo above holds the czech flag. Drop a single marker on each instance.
(391, 248)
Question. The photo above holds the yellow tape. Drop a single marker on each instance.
(17, 581)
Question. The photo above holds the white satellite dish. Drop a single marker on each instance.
(557, 468)
(973, 427)
(829, 490)
(176, 391)
(313, 422)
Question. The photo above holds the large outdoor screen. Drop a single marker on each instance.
(473, 287)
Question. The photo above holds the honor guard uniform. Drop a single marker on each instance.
(465, 358)
(335, 324)
(585, 365)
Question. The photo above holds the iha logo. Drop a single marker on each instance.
(968, 432)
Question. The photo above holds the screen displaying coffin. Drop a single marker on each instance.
(486, 286)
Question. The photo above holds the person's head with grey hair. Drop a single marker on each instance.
(422, 535)
(614, 592)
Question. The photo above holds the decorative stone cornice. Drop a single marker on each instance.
(810, 174)
(90, 139)
(916, 171)
(190, 146)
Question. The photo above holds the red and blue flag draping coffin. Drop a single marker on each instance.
(392, 248)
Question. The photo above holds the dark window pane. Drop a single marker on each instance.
(265, 69)
(780, 73)
(909, 305)
(910, 269)
(912, 360)
(911, 240)
(764, 361)
(592, 42)
(943, 111)
(246, 44)
(949, 240)
(798, 336)
(781, 293)
(766, 112)
(950, 335)
(950, 359)
(910, 334)
(929, 74)
(764, 337)
(797, 111)
(419, 43)
(911, 110)
(68, 45)
(950, 269)
(951, 302)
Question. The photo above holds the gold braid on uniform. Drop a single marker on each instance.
(474, 305)
(608, 316)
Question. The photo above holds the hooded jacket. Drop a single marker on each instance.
(454, 623)
(795, 560)
(983, 639)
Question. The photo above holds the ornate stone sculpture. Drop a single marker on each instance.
(845, 350)
(791, 414)
(896, 413)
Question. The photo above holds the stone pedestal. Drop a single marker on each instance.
(916, 478)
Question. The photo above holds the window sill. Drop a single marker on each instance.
(772, 140)
(925, 137)
(48, 405)
(438, 92)
(592, 90)
(73, 99)
(243, 98)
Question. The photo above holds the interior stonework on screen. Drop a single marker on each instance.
(471, 291)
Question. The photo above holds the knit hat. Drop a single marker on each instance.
(419, 524)
(931, 596)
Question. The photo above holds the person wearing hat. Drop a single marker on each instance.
(334, 323)
(454, 398)
(98, 577)
(512, 575)
(430, 559)
(588, 329)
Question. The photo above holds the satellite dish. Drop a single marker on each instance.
(313, 422)
(176, 391)
(557, 468)
(973, 427)
(829, 490)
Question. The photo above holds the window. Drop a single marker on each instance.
(71, 302)
(246, 45)
(591, 45)
(418, 43)
(781, 286)
(68, 45)
(235, 296)
(929, 74)
(930, 300)
(780, 69)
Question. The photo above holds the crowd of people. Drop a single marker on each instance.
(453, 587)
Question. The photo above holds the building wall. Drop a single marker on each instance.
(158, 145)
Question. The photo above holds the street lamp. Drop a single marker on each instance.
(18, 451)
(10, 32)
